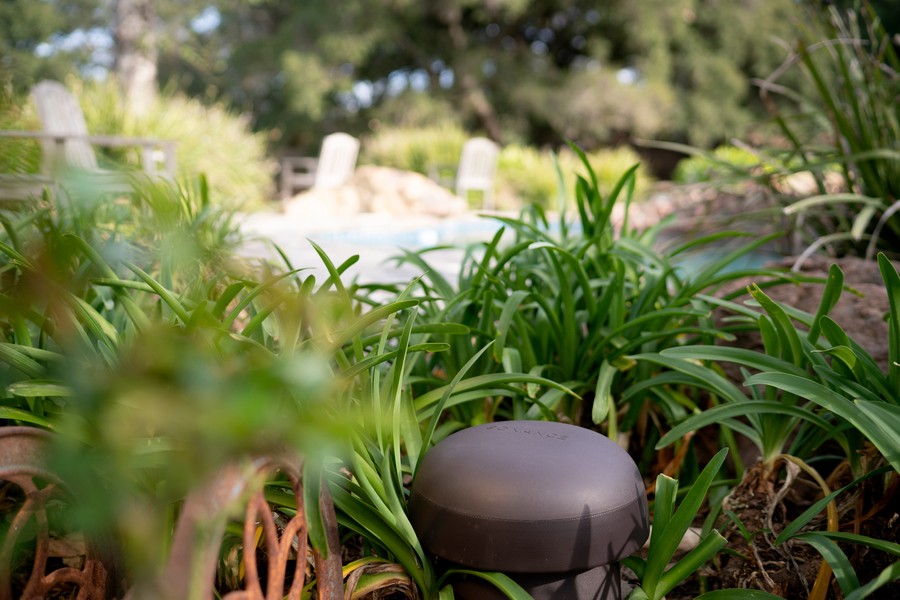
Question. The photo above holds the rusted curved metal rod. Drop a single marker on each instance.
(23, 453)
(191, 568)
(190, 571)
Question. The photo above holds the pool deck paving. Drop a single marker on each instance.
(375, 237)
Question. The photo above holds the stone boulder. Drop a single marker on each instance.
(386, 190)
(379, 190)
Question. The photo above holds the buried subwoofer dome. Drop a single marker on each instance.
(550, 501)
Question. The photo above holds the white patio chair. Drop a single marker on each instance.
(333, 168)
(477, 167)
(66, 144)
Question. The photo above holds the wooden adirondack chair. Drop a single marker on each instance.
(477, 167)
(333, 168)
(66, 144)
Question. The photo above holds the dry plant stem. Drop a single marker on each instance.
(882, 503)
(823, 578)
(762, 567)
(792, 472)
(398, 583)
(672, 467)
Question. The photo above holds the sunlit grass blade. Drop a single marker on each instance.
(886, 442)
(448, 390)
(166, 296)
(738, 594)
(717, 415)
(24, 416)
(664, 544)
(892, 284)
(708, 547)
(339, 338)
(425, 403)
(740, 356)
(37, 388)
(834, 285)
(20, 361)
(887, 575)
(502, 582)
(702, 376)
(604, 402)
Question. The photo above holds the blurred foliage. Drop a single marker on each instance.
(524, 174)
(17, 155)
(210, 140)
(427, 150)
(848, 125)
(128, 325)
(531, 176)
(721, 163)
(535, 72)
(26, 24)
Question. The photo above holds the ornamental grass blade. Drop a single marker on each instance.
(438, 281)
(167, 297)
(245, 301)
(690, 563)
(834, 286)
(739, 356)
(23, 416)
(718, 415)
(738, 594)
(507, 313)
(702, 376)
(486, 384)
(797, 524)
(788, 338)
(604, 402)
(830, 199)
(39, 388)
(664, 544)
(375, 359)
(20, 361)
(368, 319)
(892, 284)
(358, 516)
(855, 538)
(503, 583)
(887, 575)
(138, 317)
(886, 418)
(836, 559)
(885, 441)
(448, 390)
(312, 494)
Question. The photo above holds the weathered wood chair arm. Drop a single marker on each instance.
(149, 146)
(297, 173)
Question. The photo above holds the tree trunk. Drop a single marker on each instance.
(136, 53)
(473, 94)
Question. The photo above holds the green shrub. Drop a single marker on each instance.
(530, 176)
(18, 155)
(724, 162)
(432, 151)
(211, 141)
(852, 121)
(525, 175)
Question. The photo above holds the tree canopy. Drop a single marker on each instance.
(539, 71)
